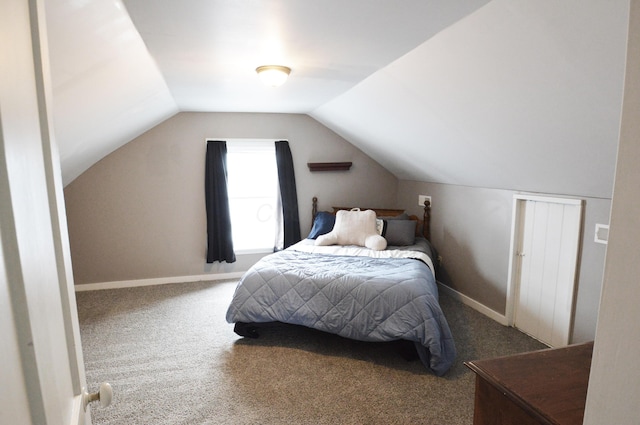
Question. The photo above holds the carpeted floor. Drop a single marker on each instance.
(172, 359)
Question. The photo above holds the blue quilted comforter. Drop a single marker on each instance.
(358, 297)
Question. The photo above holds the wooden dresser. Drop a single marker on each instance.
(541, 387)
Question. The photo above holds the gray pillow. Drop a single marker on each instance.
(399, 232)
(403, 216)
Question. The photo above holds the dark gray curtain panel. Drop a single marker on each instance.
(288, 194)
(219, 239)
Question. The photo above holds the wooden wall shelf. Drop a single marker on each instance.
(329, 166)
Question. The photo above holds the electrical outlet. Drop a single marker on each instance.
(422, 198)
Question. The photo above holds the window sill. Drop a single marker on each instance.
(254, 251)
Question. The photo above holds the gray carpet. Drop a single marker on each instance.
(172, 359)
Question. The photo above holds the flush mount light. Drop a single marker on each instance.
(273, 75)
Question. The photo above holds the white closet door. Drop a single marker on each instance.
(547, 253)
(42, 372)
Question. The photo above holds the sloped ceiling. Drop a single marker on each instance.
(106, 87)
(521, 95)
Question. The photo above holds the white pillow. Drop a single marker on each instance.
(354, 227)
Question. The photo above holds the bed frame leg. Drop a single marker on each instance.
(407, 350)
(246, 330)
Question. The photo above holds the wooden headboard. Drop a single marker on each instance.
(423, 226)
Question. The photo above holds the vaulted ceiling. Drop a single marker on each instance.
(522, 95)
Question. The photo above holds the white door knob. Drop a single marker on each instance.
(105, 395)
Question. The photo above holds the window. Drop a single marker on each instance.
(253, 194)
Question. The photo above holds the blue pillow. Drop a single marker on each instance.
(322, 224)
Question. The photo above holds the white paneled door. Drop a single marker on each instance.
(545, 246)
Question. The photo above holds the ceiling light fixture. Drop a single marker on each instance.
(273, 75)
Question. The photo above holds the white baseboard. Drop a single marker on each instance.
(156, 281)
(492, 314)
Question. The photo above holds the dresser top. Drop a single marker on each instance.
(550, 384)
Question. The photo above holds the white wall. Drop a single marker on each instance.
(614, 384)
(139, 213)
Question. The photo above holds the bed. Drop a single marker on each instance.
(358, 292)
